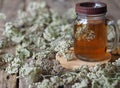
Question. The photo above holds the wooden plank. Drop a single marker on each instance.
(7, 81)
(23, 83)
(76, 62)
(11, 83)
(10, 8)
(113, 8)
(117, 2)
(1, 4)
(63, 5)
(2, 79)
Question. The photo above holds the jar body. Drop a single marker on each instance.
(90, 37)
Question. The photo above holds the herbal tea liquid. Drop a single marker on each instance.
(90, 40)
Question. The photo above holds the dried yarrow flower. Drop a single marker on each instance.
(40, 33)
(2, 16)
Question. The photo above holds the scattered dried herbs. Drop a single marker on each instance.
(38, 34)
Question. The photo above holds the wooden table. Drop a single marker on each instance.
(10, 8)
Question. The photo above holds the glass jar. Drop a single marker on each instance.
(90, 32)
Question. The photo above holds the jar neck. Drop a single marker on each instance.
(91, 17)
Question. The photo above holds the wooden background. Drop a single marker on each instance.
(10, 7)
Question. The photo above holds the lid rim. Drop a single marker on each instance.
(88, 8)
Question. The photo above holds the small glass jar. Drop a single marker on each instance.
(90, 31)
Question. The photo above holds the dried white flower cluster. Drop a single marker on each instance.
(99, 76)
(2, 16)
(38, 34)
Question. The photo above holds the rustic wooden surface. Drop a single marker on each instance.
(10, 7)
(76, 63)
(7, 81)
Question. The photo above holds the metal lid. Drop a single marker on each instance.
(91, 8)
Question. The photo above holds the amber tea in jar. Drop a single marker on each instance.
(90, 31)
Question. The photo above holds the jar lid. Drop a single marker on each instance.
(91, 8)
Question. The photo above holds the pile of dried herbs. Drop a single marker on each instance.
(37, 35)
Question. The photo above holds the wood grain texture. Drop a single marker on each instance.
(1, 4)
(7, 81)
(23, 83)
(77, 62)
(10, 8)
(63, 5)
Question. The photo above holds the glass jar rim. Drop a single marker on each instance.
(91, 8)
